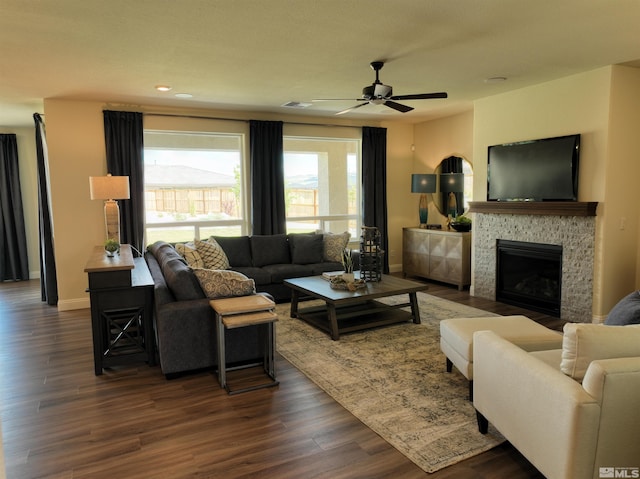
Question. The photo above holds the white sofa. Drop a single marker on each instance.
(568, 424)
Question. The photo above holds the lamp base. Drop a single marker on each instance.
(112, 219)
(423, 210)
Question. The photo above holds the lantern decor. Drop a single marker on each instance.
(371, 256)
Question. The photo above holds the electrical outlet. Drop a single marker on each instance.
(623, 223)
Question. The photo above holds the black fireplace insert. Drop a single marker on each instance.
(529, 275)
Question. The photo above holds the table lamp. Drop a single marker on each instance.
(110, 188)
(452, 183)
(423, 184)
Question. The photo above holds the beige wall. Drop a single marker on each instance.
(620, 272)
(436, 140)
(400, 211)
(28, 166)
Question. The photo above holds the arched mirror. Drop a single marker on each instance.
(453, 192)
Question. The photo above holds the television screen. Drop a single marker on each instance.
(538, 170)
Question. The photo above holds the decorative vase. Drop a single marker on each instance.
(348, 277)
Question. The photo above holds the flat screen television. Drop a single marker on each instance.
(536, 170)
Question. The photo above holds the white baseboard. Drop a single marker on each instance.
(72, 304)
(395, 268)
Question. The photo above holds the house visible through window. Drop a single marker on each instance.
(193, 185)
(322, 184)
(196, 182)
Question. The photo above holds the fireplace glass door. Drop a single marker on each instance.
(529, 275)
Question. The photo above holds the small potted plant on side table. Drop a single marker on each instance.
(111, 247)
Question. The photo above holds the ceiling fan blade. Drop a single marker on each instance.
(340, 99)
(352, 108)
(398, 106)
(420, 96)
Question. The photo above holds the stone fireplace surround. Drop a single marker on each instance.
(573, 228)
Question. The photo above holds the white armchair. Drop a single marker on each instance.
(566, 429)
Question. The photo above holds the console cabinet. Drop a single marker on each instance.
(121, 293)
(437, 254)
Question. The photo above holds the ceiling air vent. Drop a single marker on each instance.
(296, 104)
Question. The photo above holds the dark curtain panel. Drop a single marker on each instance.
(374, 184)
(123, 133)
(267, 178)
(48, 275)
(453, 164)
(13, 240)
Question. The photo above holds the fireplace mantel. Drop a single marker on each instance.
(549, 208)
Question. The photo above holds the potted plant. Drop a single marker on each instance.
(461, 223)
(347, 264)
(111, 247)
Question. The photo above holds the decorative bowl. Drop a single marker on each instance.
(461, 227)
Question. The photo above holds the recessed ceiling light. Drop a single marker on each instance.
(184, 95)
(495, 80)
(163, 88)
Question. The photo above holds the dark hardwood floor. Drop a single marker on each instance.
(59, 420)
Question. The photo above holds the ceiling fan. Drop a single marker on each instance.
(380, 94)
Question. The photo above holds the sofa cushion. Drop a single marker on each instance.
(627, 311)
(212, 254)
(237, 249)
(306, 248)
(181, 280)
(280, 272)
(584, 342)
(269, 249)
(334, 245)
(259, 275)
(164, 252)
(223, 284)
(190, 254)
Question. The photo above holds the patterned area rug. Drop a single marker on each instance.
(393, 379)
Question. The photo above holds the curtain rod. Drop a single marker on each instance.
(175, 115)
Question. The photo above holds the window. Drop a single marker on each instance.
(322, 184)
(193, 185)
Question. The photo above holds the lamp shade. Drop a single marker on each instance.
(452, 182)
(109, 187)
(423, 183)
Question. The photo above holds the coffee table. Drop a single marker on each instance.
(347, 311)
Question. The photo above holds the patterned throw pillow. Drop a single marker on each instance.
(212, 254)
(224, 284)
(334, 245)
(189, 252)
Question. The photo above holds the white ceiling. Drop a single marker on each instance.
(259, 54)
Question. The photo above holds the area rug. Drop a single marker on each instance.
(393, 379)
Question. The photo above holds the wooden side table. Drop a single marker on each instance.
(121, 294)
(239, 312)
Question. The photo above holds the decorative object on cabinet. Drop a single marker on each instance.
(461, 224)
(452, 184)
(111, 247)
(110, 188)
(423, 184)
(439, 255)
(371, 255)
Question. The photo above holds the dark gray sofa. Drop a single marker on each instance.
(183, 319)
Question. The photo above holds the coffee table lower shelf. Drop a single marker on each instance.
(355, 317)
